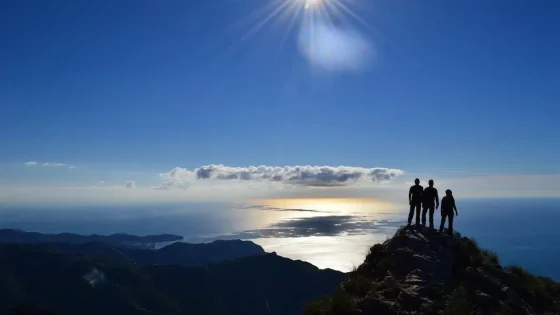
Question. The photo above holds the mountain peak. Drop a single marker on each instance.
(426, 272)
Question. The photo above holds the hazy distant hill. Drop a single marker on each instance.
(18, 236)
(70, 283)
(179, 253)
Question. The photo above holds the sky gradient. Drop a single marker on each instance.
(114, 100)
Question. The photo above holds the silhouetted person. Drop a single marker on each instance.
(447, 207)
(415, 201)
(430, 201)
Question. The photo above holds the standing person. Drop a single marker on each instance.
(447, 207)
(415, 201)
(430, 199)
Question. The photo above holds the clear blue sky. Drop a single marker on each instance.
(151, 85)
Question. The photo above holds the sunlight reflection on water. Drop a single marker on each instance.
(331, 233)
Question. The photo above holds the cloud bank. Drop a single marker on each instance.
(130, 184)
(313, 176)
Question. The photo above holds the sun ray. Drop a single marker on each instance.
(348, 11)
(257, 13)
(291, 24)
(324, 13)
(265, 21)
(282, 6)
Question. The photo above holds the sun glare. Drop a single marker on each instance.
(291, 12)
(330, 206)
(311, 3)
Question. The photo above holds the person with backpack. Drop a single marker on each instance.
(447, 208)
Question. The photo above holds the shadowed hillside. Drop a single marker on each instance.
(41, 280)
(424, 272)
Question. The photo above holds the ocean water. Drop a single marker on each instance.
(522, 231)
(333, 233)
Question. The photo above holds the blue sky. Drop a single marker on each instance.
(126, 91)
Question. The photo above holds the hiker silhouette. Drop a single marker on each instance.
(430, 202)
(447, 207)
(415, 201)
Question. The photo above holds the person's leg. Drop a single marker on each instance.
(442, 225)
(410, 214)
(431, 217)
(417, 214)
(424, 210)
(451, 215)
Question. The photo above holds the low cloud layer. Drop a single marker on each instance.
(317, 176)
(130, 184)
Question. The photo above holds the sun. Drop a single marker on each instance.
(312, 3)
(291, 13)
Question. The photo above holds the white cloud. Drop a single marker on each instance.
(71, 167)
(53, 164)
(30, 163)
(316, 176)
(130, 184)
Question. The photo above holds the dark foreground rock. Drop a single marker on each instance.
(425, 272)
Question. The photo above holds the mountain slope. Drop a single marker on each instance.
(184, 254)
(68, 283)
(18, 236)
(424, 272)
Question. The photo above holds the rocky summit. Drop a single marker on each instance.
(426, 272)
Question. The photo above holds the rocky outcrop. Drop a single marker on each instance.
(425, 272)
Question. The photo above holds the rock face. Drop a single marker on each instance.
(425, 272)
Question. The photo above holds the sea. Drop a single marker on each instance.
(329, 233)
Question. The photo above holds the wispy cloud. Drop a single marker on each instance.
(130, 184)
(53, 164)
(317, 176)
(49, 164)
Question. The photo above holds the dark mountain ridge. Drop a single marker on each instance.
(19, 236)
(38, 277)
(425, 272)
(179, 253)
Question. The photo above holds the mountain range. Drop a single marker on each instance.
(222, 277)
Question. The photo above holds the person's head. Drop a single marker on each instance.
(431, 183)
(417, 181)
(449, 192)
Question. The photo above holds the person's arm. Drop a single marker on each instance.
(455, 208)
(410, 195)
(437, 199)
